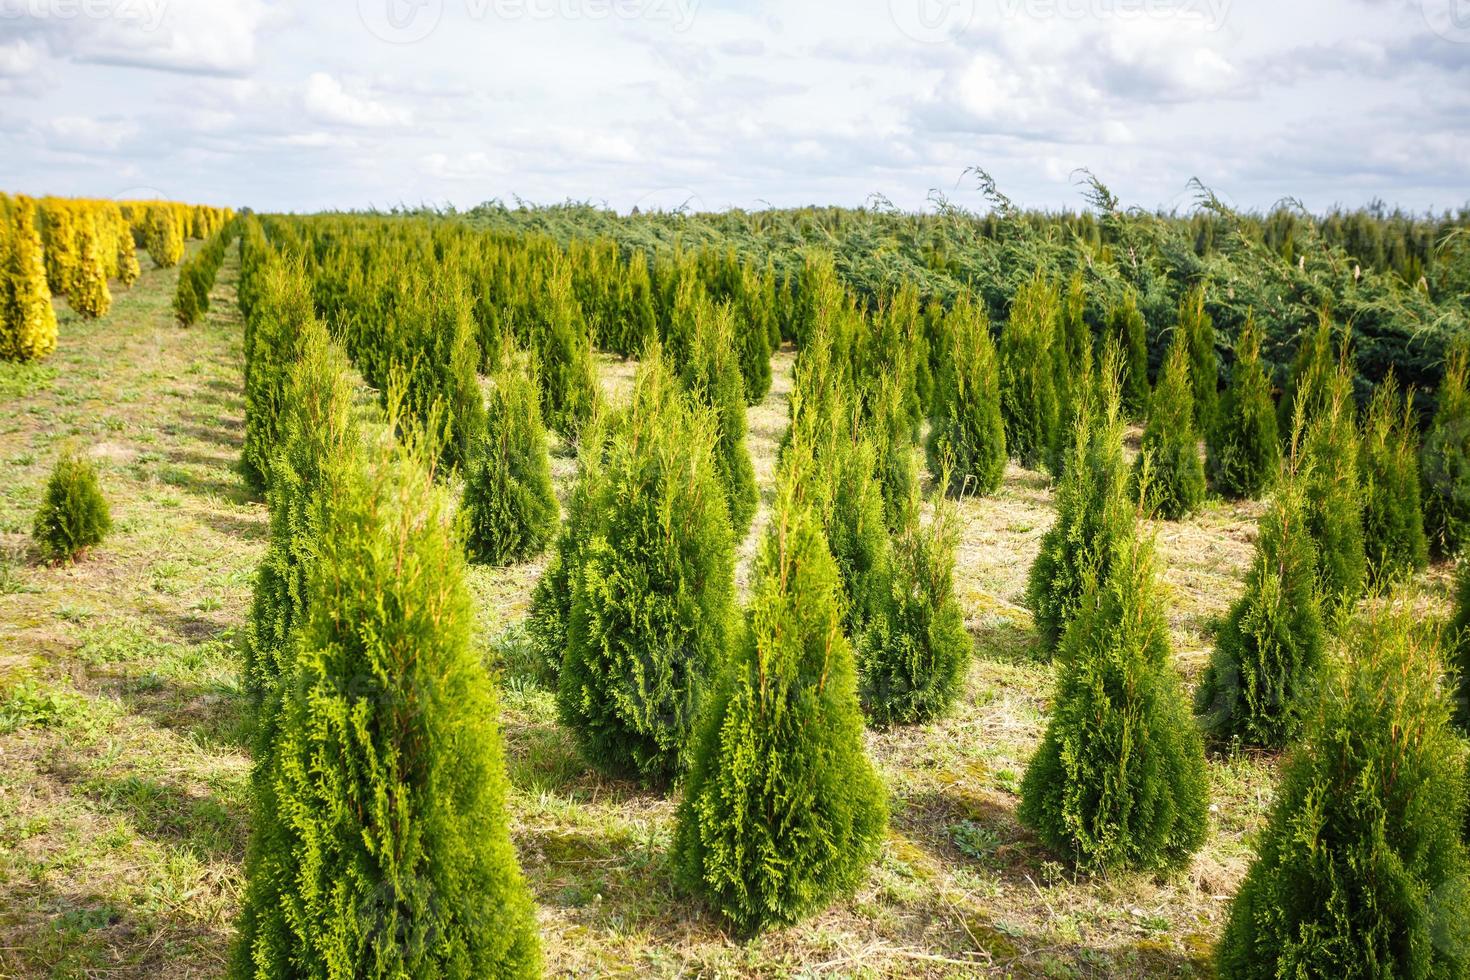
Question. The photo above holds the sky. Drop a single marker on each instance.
(711, 104)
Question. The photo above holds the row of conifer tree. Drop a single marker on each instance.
(759, 714)
(73, 247)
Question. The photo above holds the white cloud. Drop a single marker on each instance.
(19, 57)
(282, 105)
(475, 165)
(86, 134)
(327, 101)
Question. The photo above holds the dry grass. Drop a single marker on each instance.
(122, 729)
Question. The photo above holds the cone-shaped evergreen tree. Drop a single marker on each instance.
(164, 237)
(317, 433)
(1171, 453)
(1128, 329)
(74, 515)
(782, 810)
(891, 431)
(187, 306)
(551, 600)
(1445, 458)
(1072, 354)
(756, 328)
(711, 373)
(569, 390)
(1311, 371)
(914, 652)
(89, 294)
(58, 224)
(379, 840)
(509, 506)
(438, 364)
(1198, 329)
(1270, 648)
(1094, 512)
(1361, 871)
(1393, 518)
(1334, 498)
(1119, 780)
(27, 318)
(1027, 397)
(849, 493)
(278, 321)
(885, 363)
(967, 432)
(1244, 448)
(652, 595)
(128, 269)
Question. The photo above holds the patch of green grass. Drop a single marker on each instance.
(19, 380)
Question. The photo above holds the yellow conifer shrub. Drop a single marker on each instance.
(59, 243)
(165, 236)
(89, 293)
(27, 319)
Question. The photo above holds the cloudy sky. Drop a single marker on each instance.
(357, 103)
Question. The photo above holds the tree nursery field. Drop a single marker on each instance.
(822, 592)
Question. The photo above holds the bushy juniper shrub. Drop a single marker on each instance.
(74, 515)
(652, 592)
(1361, 870)
(782, 810)
(1270, 648)
(967, 436)
(1119, 780)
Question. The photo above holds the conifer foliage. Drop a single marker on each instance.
(381, 846)
(1361, 871)
(1311, 374)
(1094, 514)
(317, 436)
(509, 506)
(1073, 357)
(27, 318)
(89, 294)
(164, 236)
(782, 810)
(569, 391)
(652, 592)
(1271, 646)
(74, 515)
(551, 600)
(1244, 445)
(915, 650)
(1028, 395)
(1334, 499)
(1175, 484)
(1129, 331)
(1393, 517)
(1445, 459)
(275, 326)
(1198, 329)
(711, 374)
(967, 434)
(1119, 780)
